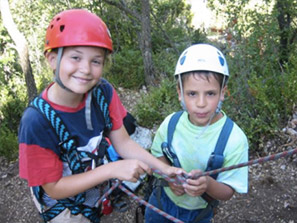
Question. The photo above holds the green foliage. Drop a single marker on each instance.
(12, 106)
(8, 144)
(164, 64)
(126, 72)
(172, 17)
(11, 110)
(160, 102)
(263, 90)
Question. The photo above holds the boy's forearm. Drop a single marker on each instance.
(219, 190)
(137, 152)
(74, 184)
(129, 149)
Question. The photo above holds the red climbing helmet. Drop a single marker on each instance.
(77, 27)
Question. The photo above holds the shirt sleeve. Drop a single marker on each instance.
(117, 111)
(38, 163)
(160, 137)
(236, 152)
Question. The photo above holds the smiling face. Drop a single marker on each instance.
(202, 93)
(81, 67)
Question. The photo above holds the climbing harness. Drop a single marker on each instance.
(215, 161)
(73, 157)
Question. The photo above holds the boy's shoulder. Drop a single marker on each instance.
(32, 116)
(238, 133)
(172, 120)
(106, 88)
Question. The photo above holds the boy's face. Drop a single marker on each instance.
(201, 97)
(81, 67)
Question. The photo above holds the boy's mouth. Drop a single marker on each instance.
(201, 115)
(82, 80)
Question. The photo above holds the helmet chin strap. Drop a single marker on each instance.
(57, 73)
(219, 106)
(182, 102)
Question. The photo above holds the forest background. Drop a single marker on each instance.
(257, 37)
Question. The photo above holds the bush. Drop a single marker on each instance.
(262, 100)
(160, 102)
(8, 144)
(12, 105)
(127, 69)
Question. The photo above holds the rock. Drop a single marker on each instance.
(142, 136)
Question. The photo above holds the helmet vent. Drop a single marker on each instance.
(62, 28)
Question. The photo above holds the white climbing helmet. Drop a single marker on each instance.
(202, 57)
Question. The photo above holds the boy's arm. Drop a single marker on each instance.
(129, 149)
(68, 186)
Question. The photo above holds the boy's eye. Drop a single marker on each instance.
(97, 62)
(192, 93)
(211, 93)
(75, 58)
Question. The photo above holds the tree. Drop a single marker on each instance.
(286, 14)
(21, 47)
(145, 41)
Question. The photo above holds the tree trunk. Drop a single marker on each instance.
(146, 43)
(21, 47)
(145, 40)
(284, 23)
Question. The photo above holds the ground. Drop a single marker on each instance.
(272, 195)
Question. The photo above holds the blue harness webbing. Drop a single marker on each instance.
(72, 156)
(215, 161)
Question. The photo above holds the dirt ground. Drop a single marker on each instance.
(272, 195)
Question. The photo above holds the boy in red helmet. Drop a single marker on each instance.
(63, 167)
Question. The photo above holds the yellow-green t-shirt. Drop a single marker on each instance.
(193, 146)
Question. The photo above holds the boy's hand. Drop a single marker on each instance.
(196, 187)
(172, 171)
(129, 170)
(177, 189)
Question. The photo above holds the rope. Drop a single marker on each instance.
(180, 179)
(249, 163)
(117, 183)
(164, 214)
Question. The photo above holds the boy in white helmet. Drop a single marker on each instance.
(202, 74)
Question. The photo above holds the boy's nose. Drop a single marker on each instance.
(84, 67)
(200, 102)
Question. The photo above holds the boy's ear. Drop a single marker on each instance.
(52, 59)
(179, 94)
(223, 93)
